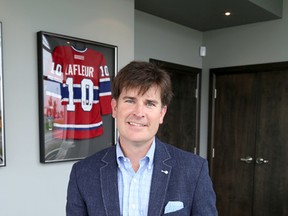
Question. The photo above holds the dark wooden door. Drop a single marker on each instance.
(234, 139)
(271, 178)
(249, 140)
(181, 123)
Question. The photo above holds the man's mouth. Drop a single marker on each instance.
(137, 124)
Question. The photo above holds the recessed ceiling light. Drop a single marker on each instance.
(227, 13)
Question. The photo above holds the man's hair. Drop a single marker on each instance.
(142, 76)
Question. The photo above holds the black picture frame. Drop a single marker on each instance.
(2, 127)
(75, 77)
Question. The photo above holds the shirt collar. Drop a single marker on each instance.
(150, 154)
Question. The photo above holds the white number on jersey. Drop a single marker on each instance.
(86, 103)
(104, 71)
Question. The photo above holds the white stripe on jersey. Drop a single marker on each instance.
(77, 125)
(104, 79)
(78, 100)
(79, 86)
(104, 94)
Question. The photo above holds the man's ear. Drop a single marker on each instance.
(114, 107)
(163, 112)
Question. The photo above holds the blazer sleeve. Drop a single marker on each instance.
(204, 202)
(75, 205)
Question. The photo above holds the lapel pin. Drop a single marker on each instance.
(164, 171)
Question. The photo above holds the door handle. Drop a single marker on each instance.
(247, 159)
(261, 161)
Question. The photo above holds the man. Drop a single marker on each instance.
(140, 175)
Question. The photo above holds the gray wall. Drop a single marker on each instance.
(163, 40)
(27, 187)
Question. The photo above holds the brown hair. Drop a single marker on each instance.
(143, 75)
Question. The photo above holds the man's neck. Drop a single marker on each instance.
(135, 153)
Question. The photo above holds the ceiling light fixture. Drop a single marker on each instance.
(227, 13)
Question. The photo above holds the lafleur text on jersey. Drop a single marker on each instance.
(75, 69)
(80, 70)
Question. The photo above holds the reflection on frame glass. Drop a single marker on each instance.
(2, 131)
(74, 96)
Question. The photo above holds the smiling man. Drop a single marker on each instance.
(140, 175)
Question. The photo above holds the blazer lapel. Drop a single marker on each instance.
(160, 180)
(109, 184)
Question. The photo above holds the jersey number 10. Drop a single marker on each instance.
(86, 102)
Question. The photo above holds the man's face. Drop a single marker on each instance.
(138, 116)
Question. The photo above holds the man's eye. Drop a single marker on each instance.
(129, 101)
(151, 104)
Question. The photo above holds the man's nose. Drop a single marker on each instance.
(139, 109)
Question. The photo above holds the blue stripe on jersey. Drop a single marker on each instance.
(105, 87)
(77, 94)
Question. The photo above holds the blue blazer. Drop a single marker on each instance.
(179, 178)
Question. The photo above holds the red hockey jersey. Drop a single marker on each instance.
(85, 92)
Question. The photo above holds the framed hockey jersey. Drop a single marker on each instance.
(74, 96)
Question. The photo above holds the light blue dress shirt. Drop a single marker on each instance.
(134, 188)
